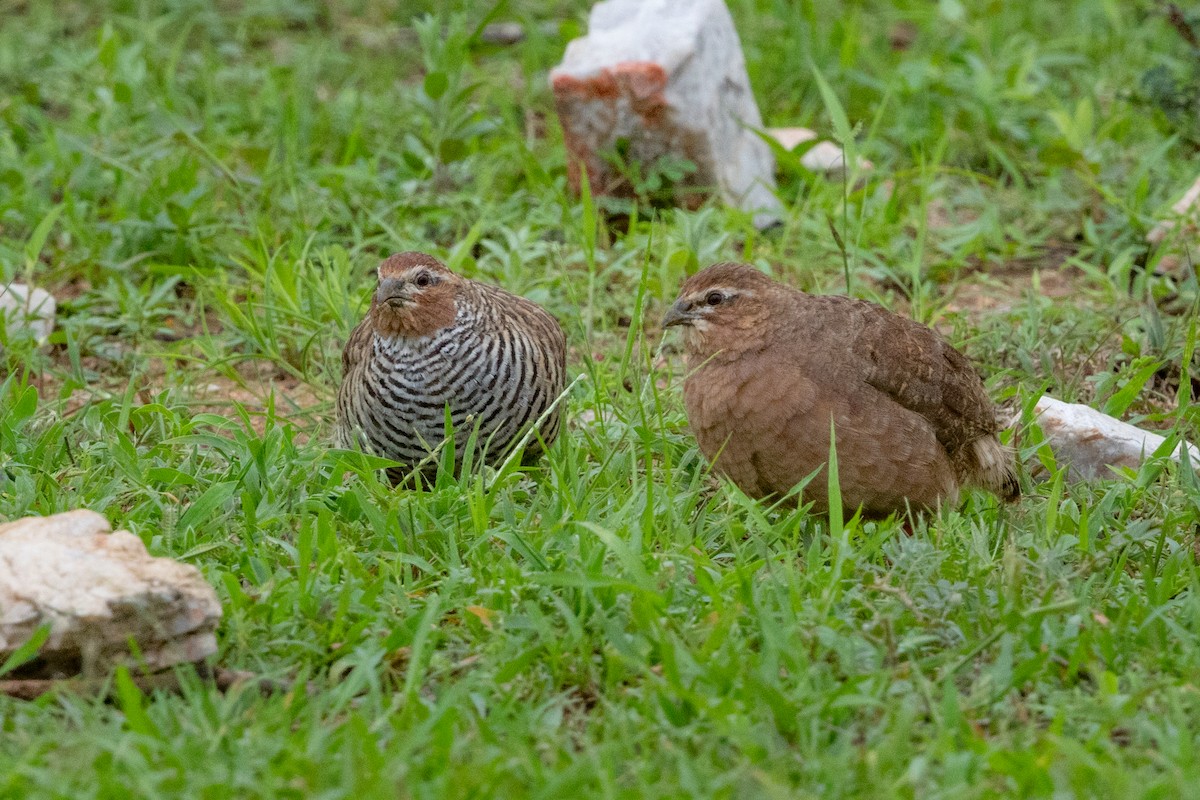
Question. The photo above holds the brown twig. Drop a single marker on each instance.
(222, 679)
(1179, 22)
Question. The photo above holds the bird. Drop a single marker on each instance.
(434, 346)
(771, 369)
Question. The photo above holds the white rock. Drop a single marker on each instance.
(828, 157)
(788, 138)
(24, 307)
(823, 157)
(97, 590)
(668, 77)
(1088, 441)
(1184, 211)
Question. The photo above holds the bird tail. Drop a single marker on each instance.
(997, 468)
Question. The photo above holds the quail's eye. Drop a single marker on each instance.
(714, 298)
(423, 280)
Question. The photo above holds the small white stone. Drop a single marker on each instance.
(98, 590)
(1088, 441)
(27, 307)
(1184, 211)
(828, 158)
(823, 157)
(668, 77)
(788, 138)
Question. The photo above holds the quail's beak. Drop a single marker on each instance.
(393, 292)
(678, 314)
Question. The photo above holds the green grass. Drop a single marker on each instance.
(207, 188)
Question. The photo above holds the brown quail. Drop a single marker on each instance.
(435, 341)
(770, 367)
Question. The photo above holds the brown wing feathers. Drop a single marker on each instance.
(773, 367)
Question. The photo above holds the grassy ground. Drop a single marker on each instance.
(207, 188)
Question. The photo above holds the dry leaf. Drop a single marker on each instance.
(485, 615)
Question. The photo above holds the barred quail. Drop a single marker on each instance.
(770, 367)
(434, 341)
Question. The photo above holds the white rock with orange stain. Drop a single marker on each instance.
(27, 307)
(668, 78)
(1088, 441)
(97, 590)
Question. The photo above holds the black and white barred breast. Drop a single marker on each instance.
(496, 369)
